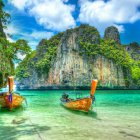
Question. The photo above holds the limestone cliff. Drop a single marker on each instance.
(72, 65)
(72, 69)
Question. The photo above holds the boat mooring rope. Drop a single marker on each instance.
(26, 102)
(37, 132)
(95, 107)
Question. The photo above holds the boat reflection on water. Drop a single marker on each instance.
(81, 104)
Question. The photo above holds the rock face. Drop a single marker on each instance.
(134, 50)
(71, 69)
(112, 33)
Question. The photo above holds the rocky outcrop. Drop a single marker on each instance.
(71, 69)
(112, 33)
(134, 50)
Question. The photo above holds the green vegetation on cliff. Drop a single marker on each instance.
(136, 72)
(51, 49)
(109, 49)
(88, 34)
(40, 60)
(45, 63)
(22, 71)
(112, 33)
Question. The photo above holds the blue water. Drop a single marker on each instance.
(115, 116)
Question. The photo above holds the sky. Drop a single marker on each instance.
(34, 20)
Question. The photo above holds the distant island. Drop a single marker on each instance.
(72, 58)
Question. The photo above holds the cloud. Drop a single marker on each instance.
(20, 56)
(51, 14)
(41, 34)
(35, 36)
(120, 28)
(33, 44)
(102, 14)
(20, 4)
(10, 39)
(10, 31)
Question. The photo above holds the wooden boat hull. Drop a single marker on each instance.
(16, 101)
(80, 104)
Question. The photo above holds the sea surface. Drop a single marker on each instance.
(115, 116)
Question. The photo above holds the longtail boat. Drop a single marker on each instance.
(81, 104)
(10, 99)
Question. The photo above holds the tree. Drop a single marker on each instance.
(135, 69)
(8, 50)
(4, 19)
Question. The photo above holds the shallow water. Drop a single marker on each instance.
(116, 116)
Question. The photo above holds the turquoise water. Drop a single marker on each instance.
(116, 116)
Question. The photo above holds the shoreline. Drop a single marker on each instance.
(70, 88)
(82, 89)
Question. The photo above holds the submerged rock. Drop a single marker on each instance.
(19, 120)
